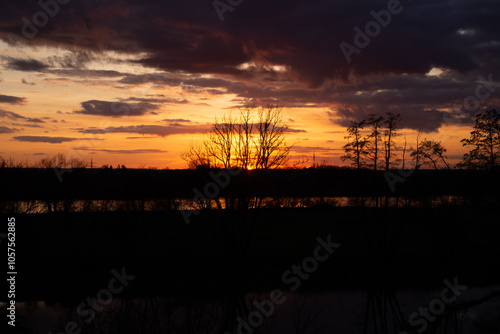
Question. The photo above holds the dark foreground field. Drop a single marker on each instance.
(222, 252)
(348, 269)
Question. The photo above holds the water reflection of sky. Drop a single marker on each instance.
(39, 206)
(328, 312)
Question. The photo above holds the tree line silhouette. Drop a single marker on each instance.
(376, 149)
(254, 137)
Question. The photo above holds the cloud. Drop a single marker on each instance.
(138, 151)
(13, 116)
(25, 65)
(10, 115)
(86, 73)
(44, 139)
(263, 53)
(50, 140)
(189, 37)
(413, 117)
(194, 40)
(176, 120)
(25, 82)
(11, 99)
(116, 109)
(143, 137)
(316, 149)
(26, 125)
(156, 100)
(34, 120)
(72, 59)
(290, 130)
(4, 129)
(157, 130)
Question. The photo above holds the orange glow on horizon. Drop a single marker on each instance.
(51, 119)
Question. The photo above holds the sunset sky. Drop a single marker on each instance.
(135, 82)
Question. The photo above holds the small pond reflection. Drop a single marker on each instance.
(343, 311)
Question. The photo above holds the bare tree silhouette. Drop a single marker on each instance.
(485, 138)
(432, 152)
(355, 150)
(252, 138)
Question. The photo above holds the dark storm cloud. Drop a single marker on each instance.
(305, 36)
(416, 97)
(424, 102)
(187, 37)
(11, 99)
(419, 119)
(116, 109)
